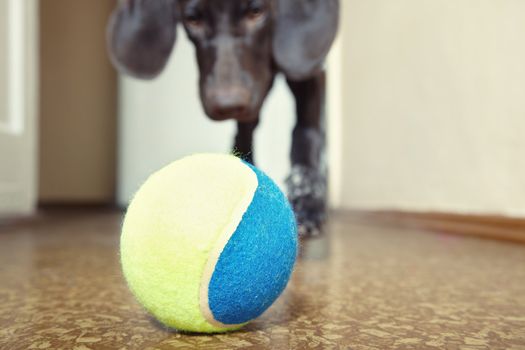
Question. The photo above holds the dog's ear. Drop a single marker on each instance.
(303, 33)
(141, 35)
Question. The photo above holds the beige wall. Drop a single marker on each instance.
(434, 105)
(78, 103)
(3, 61)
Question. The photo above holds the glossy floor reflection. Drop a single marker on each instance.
(361, 286)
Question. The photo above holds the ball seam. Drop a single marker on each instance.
(217, 250)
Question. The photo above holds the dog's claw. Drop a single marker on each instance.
(309, 230)
(307, 194)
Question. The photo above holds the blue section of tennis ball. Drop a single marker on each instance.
(208, 243)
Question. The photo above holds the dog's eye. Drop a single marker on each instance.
(254, 11)
(194, 19)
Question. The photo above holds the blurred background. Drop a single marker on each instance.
(425, 109)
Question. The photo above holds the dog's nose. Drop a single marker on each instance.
(229, 103)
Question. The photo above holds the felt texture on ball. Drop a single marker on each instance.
(208, 243)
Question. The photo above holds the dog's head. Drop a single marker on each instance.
(240, 44)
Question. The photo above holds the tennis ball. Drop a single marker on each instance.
(208, 243)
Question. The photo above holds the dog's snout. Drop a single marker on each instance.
(229, 103)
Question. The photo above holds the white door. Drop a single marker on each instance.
(18, 102)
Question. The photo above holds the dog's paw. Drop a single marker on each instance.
(307, 193)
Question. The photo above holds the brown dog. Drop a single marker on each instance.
(241, 45)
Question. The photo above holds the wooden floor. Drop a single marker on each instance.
(363, 285)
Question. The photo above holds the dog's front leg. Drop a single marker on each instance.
(244, 140)
(307, 187)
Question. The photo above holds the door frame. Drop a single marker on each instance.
(18, 152)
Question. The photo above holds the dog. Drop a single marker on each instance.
(241, 46)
